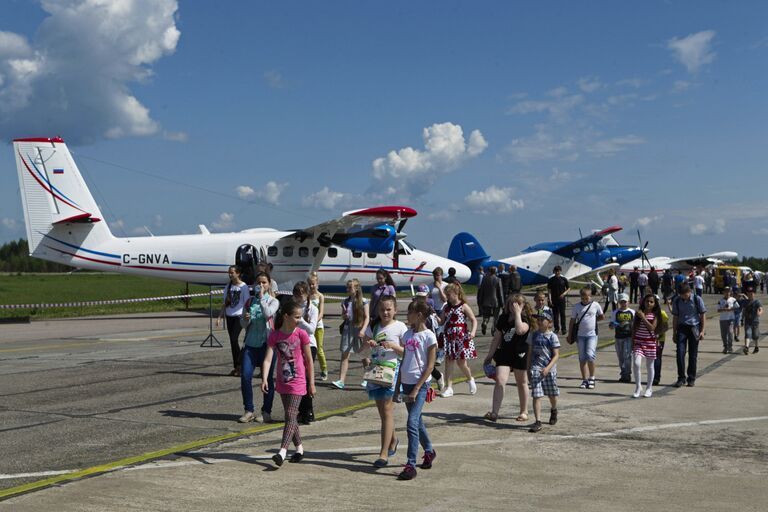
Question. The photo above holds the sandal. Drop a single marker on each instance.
(490, 416)
(522, 417)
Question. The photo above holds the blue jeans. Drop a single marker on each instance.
(252, 358)
(417, 431)
(587, 348)
(687, 337)
(624, 355)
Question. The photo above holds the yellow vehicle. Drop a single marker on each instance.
(718, 281)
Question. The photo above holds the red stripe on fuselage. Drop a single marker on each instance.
(85, 257)
(46, 188)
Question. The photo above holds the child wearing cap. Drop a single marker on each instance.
(621, 323)
(542, 368)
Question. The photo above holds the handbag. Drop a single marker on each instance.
(381, 373)
(574, 332)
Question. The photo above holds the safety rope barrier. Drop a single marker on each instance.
(125, 301)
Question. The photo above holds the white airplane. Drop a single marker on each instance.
(662, 263)
(586, 256)
(64, 224)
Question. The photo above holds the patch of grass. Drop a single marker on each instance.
(92, 286)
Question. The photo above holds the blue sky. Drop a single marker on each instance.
(519, 122)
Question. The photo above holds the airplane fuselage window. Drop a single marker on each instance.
(271, 250)
(288, 251)
(356, 254)
(333, 252)
(303, 252)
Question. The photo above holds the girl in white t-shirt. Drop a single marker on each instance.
(420, 351)
(236, 294)
(318, 300)
(385, 340)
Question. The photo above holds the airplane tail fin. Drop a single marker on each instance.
(466, 249)
(57, 203)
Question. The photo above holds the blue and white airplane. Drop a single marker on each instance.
(588, 255)
(65, 225)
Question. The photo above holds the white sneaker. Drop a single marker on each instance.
(472, 387)
(323, 376)
(636, 394)
(648, 393)
(447, 392)
(247, 417)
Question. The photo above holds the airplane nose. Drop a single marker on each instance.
(462, 272)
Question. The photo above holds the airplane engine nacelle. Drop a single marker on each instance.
(607, 257)
(378, 239)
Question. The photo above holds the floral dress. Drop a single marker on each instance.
(458, 345)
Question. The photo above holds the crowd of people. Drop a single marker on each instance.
(284, 336)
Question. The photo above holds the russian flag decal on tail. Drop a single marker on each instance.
(58, 171)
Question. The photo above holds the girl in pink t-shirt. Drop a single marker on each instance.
(294, 376)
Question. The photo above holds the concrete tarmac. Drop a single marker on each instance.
(702, 447)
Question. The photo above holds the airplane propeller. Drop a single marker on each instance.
(643, 248)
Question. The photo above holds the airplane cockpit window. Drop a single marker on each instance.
(356, 254)
(288, 251)
(332, 252)
(303, 252)
(272, 251)
(371, 255)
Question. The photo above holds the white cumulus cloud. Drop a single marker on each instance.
(693, 51)
(717, 228)
(413, 171)
(244, 191)
(325, 199)
(72, 79)
(225, 221)
(270, 192)
(645, 221)
(493, 200)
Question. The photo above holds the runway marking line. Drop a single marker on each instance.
(145, 457)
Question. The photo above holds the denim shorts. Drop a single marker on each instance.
(587, 348)
(752, 331)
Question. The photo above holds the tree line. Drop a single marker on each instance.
(14, 257)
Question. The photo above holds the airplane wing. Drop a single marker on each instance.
(366, 230)
(571, 249)
(700, 261)
(594, 271)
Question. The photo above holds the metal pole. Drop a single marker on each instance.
(211, 341)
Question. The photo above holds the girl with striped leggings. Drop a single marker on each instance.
(294, 376)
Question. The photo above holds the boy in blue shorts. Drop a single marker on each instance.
(542, 367)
